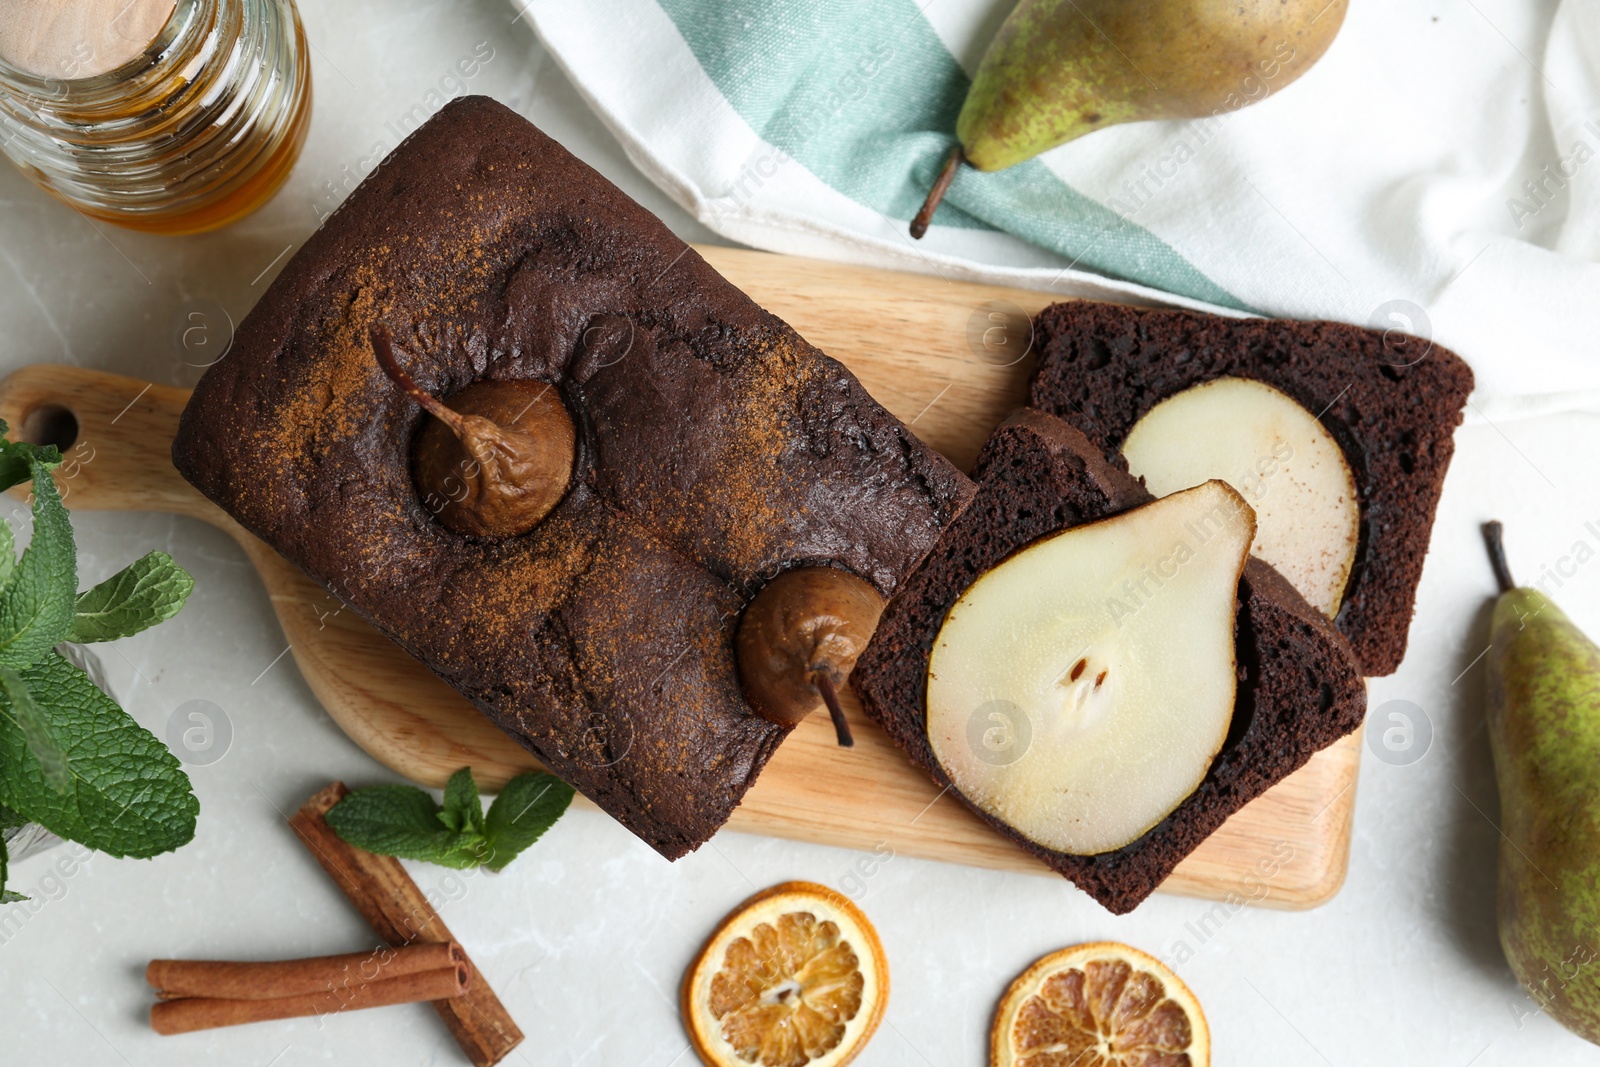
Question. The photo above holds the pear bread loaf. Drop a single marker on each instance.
(714, 449)
(1299, 686)
(1392, 402)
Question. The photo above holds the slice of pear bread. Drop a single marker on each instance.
(1299, 685)
(1391, 401)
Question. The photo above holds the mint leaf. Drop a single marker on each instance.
(41, 740)
(6, 895)
(402, 820)
(8, 550)
(128, 796)
(17, 459)
(10, 820)
(36, 606)
(463, 810)
(143, 593)
(527, 807)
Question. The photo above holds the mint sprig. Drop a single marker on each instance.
(463, 809)
(404, 821)
(70, 758)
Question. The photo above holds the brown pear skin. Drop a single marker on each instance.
(495, 460)
(798, 642)
(1544, 731)
(1059, 69)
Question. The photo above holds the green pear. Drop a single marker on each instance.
(1544, 730)
(1059, 69)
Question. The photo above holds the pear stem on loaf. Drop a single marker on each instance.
(383, 345)
(830, 697)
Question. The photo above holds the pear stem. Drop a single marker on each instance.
(830, 697)
(941, 185)
(1497, 556)
(383, 346)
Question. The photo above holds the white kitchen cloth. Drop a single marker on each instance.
(1436, 172)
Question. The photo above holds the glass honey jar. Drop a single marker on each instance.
(195, 129)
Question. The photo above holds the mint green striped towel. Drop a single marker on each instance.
(1423, 176)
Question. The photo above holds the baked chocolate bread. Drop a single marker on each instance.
(1391, 402)
(1299, 687)
(715, 448)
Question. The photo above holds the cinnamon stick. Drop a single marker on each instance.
(206, 1013)
(390, 901)
(287, 978)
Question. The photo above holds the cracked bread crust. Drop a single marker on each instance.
(715, 449)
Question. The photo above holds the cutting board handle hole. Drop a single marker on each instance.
(50, 424)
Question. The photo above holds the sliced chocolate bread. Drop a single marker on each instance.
(1391, 403)
(1299, 687)
(715, 448)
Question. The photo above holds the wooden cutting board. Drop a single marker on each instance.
(935, 353)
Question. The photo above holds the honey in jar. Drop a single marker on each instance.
(170, 116)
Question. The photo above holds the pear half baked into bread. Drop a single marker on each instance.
(1338, 436)
(689, 447)
(1084, 723)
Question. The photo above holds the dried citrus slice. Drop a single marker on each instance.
(1099, 1005)
(795, 978)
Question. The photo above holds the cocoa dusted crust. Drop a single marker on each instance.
(1300, 688)
(715, 449)
(1103, 366)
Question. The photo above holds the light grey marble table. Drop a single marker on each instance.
(586, 936)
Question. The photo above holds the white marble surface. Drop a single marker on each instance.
(586, 936)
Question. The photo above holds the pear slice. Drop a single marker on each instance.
(1080, 690)
(1279, 456)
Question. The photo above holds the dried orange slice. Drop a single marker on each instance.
(1099, 1005)
(795, 978)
